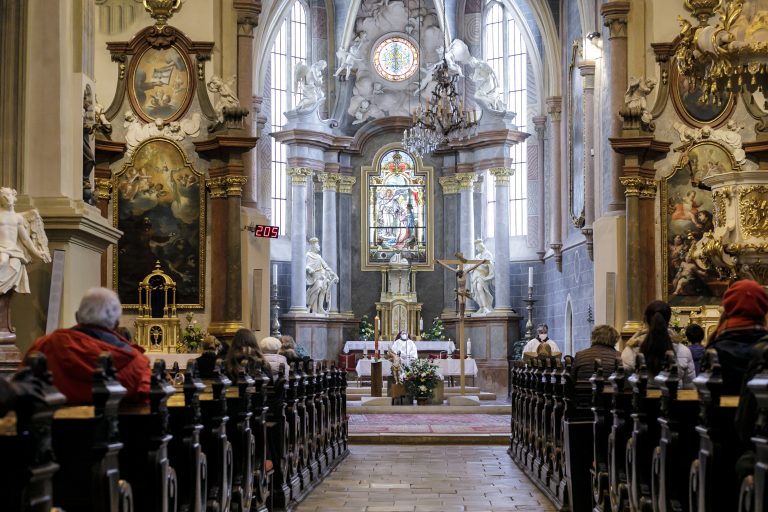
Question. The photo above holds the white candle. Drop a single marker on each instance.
(530, 277)
(469, 346)
(274, 273)
(421, 324)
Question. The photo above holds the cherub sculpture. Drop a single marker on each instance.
(227, 97)
(487, 90)
(22, 237)
(348, 59)
(456, 55)
(635, 97)
(309, 80)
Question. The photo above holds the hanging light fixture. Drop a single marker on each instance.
(443, 119)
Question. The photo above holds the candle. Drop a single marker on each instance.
(530, 277)
(421, 324)
(469, 346)
(376, 336)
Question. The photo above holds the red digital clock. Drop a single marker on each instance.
(266, 231)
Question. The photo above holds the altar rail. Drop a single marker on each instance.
(632, 443)
(255, 444)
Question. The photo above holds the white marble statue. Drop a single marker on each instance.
(487, 90)
(137, 132)
(635, 97)
(309, 80)
(482, 279)
(227, 97)
(101, 123)
(728, 136)
(22, 236)
(320, 278)
(349, 58)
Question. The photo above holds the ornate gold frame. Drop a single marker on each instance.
(366, 171)
(677, 103)
(202, 231)
(681, 165)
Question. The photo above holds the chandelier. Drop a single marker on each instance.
(730, 55)
(443, 119)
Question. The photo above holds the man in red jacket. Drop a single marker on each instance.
(72, 353)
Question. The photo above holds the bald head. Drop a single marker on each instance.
(101, 307)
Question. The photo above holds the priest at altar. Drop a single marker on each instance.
(405, 346)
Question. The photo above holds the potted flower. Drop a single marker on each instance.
(436, 331)
(421, 379)
(192, 336)
(366, 329)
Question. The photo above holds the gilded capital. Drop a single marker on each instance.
(330, 181)
(466, 180)
(226, 186)
(346, 183)
(299, 175)
(635, 186)
(449, 184)
(103, 188)
(502, 175)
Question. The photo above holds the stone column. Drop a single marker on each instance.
(501, 230)
(466, 212)
(554, 108)
(587, 69)
(300, 177)
(330, 243)
(450, 235)
(539, 123)
(345, 244)
(615, 18)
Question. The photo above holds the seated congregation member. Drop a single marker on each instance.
(745, 304)
(206, 363)
(270, 347)
(288, 349)
(244, 352)
(72, 353)
(654, 340)
(603, 339)
(695, 334)
(542, 337)
(405, 346)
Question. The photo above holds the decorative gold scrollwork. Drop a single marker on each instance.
(753, 211)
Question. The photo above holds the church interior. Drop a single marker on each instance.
(383, 255)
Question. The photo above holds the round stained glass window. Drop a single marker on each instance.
(396, 59)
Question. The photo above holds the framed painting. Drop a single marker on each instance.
(687, 96)
(687, 212)
(158, 202)
(160, 83)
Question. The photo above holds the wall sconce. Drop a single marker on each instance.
(593, 46)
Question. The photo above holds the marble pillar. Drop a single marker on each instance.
(247, 19)
(587, 70)
(539, 124)
(300, 179)
(501, 234)
(615, 18)
(329, 241)
(346, 183)
(554, 108)
(466, 212)
(450, 236)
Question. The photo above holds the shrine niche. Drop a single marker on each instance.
(398, 201)
(159, 205)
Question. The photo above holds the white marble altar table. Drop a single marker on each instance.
(446, 367)
(421, 346)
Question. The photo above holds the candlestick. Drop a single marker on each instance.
(376, 337)
(530, 277)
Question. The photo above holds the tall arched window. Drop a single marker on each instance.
(290, 48)
(504, 49)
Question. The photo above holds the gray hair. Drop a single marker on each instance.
(270, 345)
(604, 335)
(99, 306)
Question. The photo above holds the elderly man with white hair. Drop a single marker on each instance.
(72, 353)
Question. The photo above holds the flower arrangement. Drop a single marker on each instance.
(435, 332)
(366, 329)
(421, 378)
(192, 336)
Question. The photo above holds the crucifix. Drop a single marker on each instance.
(462, 294)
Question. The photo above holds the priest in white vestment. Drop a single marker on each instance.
(405, 346)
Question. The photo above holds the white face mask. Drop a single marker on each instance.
(542, 337)
(403, 337)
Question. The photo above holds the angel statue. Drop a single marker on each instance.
(456, 55)
(635, 97)
(487, 90)
(348, 59)
(22, 236)
(309, 79)
(227, 97)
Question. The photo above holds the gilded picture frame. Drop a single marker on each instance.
(161, 83)
(685, 100)
(687, 212)
(159, 203)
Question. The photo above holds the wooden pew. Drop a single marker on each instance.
(577, 431)
(86, 441)
(556, 458)
(29, 463)
(602, 395)
(753, 495)
(239, 433)
(302, 434)
(214, 441)
(621, 433)
(310, 397)
(278, 434)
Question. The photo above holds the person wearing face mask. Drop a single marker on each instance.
(406, 347)
(532, 346)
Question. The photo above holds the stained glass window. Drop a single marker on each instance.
(396, 59)
(397, 210)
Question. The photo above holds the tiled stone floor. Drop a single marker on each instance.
(426, 478)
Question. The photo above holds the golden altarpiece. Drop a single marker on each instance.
(157, 327)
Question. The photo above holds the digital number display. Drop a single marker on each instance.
(266, 231)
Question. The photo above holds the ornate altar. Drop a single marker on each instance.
(398, 306)
(157, 327)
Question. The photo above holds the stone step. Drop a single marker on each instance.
(430, 409)
(430, 439)
(483, 395)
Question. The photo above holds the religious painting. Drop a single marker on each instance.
(160, 84)
(693, 108)
(158, 203)
(687, 212)
(397, 200)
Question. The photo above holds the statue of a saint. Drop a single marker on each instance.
(481, 279)
(21, 237)
(320, 277)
